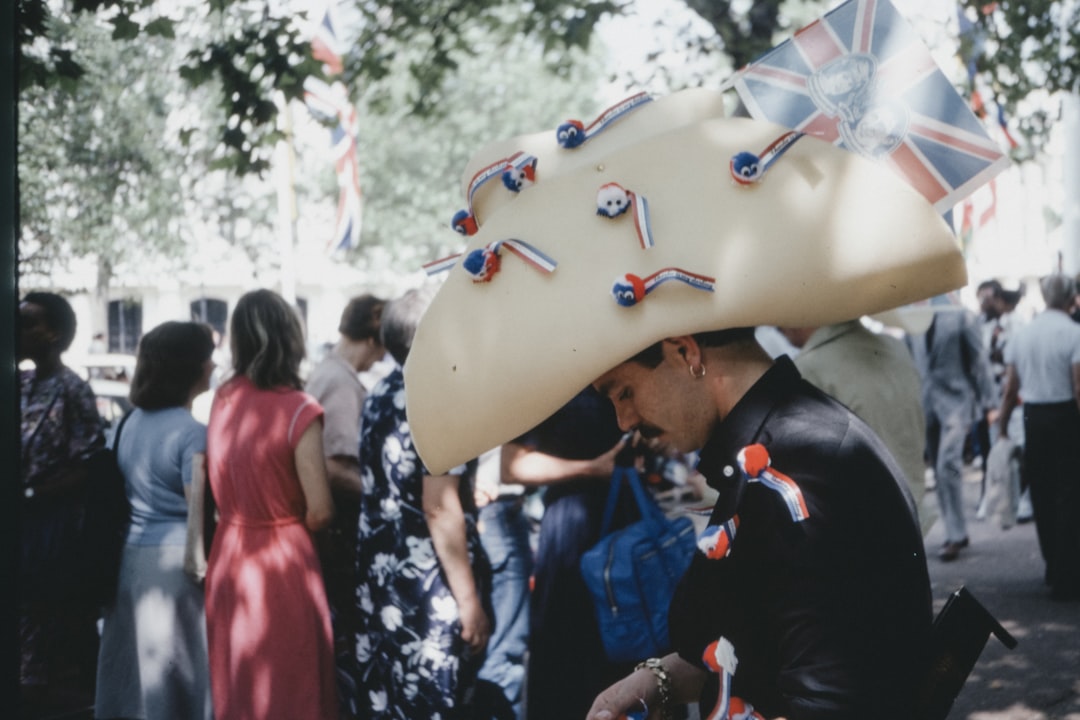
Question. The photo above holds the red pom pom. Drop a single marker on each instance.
(755, 459)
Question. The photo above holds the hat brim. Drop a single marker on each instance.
(826, 236)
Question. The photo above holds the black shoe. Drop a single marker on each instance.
(950, 552)
(960, 544)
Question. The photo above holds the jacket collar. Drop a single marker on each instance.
(743, 424)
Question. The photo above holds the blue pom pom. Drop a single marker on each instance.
(628, 290)
(482, 264)
(746, 167)
(464, 222)
(570, 134)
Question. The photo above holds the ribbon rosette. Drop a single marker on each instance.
(573, 133)
(464, 221)
(520, 172)
(719, 657)
(755, 463)
(748, 168)
(613, 200)
(631, 289)
(715, 541)
(483, 263)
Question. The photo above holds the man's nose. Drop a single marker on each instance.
(627, 416)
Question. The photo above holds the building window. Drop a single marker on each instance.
(125, 325)
(211, 311)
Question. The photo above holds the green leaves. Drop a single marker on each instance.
(124, 28)
(1029, 50)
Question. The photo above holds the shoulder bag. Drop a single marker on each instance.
(632, 573)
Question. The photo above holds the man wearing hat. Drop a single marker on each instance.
(638, 263)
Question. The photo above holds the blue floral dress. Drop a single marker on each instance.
(410, 659)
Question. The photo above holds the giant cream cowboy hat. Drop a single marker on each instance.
(555, 287)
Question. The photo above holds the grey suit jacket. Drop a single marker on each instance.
(953, 365)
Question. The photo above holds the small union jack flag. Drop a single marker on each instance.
(861, 77)
(331, 102)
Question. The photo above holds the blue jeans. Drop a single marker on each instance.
(504, 532)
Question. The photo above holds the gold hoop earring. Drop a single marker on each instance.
(697, 374)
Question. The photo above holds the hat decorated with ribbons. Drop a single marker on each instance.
(662, 217)
(825, 235)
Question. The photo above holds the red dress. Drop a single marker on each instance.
(267, 619)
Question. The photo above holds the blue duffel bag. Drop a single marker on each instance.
(631, 573)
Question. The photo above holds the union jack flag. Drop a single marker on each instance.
(330, 102)
(861, 77)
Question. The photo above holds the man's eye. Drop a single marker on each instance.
(625, 394)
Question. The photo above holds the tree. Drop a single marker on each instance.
(1028, 52)
(91, 146)
(257, 48)
(410, 164)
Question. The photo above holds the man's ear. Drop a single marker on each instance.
(686, 347)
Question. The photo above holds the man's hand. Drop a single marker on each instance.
(633, 693)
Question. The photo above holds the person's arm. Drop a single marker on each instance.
(978, 368)
(523, 465)
(1009, 397)
(446, 522)
(195, 494)
(642, 687)
(343, 473)
(311, 467)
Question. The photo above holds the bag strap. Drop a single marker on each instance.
(116, 435)
(646, 505)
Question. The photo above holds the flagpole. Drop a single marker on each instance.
(284, 168)
(1070, 231)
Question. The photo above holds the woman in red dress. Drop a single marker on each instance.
(268, 623)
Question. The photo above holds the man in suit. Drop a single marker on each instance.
(955, 385)
(874, 375)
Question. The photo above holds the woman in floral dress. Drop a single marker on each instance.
(60, 429)
(423, 595)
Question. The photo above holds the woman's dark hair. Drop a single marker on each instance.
(400, 319)
(653, 355)
(168, 363)
(267, 340)
(361, 317)
(58, 315)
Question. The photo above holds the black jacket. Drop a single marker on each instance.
(829, 615)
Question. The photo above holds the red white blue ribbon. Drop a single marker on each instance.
(715, 541)
(755, 464)
(573, 133)
(613, 200)
(441, 265)
(519, 172)
(465, 221)
(719, 657)
(748, 168)
(483, 263)
(631, 289)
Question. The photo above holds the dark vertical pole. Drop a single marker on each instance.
(9, 395)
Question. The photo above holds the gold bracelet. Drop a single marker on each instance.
(663, 684)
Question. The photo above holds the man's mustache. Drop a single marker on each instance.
(649, 432)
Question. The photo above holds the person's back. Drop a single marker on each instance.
(268, 622)
(875, 376)
(1043, 368)
(155, 454)
(1043, 353)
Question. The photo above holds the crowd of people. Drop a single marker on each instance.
(345, 580)
(413, 547)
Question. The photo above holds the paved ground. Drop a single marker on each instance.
(1040, 679)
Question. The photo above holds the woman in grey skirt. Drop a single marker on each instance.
(153, 662)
